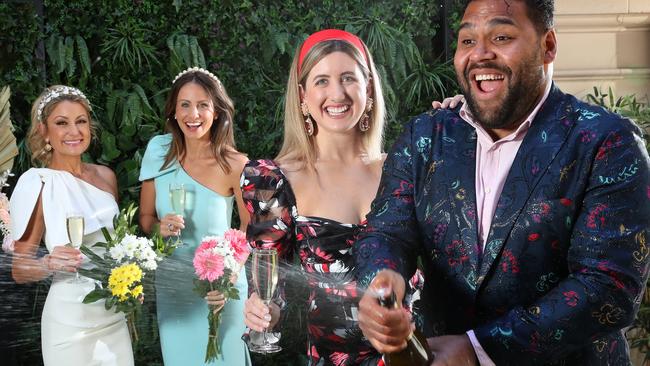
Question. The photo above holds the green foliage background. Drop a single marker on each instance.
(124, 54)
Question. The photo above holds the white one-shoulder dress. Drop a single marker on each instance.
(72, 333)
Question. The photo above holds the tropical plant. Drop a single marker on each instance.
(65, 54)
(128, 44)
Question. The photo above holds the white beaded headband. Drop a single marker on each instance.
(198, 69)
(53, 94)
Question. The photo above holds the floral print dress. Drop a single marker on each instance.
(324, 247)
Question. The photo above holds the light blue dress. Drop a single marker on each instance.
(182, 313)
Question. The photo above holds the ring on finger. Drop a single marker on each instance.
(170, 227)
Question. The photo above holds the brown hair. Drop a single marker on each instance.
(297, 145)
(35, 140)
(222, 138)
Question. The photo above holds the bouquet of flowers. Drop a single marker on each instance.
(217, 261)
(5, 218)
(119, 273)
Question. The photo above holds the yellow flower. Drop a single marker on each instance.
(137, 291)
(122, 280)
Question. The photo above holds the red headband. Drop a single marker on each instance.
(327, 35)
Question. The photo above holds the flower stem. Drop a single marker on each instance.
(131, 324)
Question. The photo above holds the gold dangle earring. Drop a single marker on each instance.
(47, 146)
(309, 125)
(364, 123)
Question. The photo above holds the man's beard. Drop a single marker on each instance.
(521, 93)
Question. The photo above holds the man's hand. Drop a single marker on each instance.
(452, 350)
(386, 329)
(450, 102)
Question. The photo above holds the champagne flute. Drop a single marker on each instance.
(265, 280)
(177, 197)
(74, 223)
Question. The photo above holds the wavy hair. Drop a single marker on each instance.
(222, 140)
(35, 140)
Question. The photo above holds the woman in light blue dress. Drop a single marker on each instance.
(199, 153)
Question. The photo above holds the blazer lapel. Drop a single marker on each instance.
(541, 145)
(459, 151)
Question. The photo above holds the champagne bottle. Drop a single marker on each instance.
(417, 351)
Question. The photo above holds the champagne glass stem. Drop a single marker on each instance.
(265, 341)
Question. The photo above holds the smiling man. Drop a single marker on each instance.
(529, 209)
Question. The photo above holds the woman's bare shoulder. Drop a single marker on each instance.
(103, 177)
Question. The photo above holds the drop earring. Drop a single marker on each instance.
(364, 123)
(309, 125)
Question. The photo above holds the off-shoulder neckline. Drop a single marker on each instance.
(294, 203)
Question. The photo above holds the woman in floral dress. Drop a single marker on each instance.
(312, 200)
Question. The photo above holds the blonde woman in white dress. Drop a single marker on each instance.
(72, 333)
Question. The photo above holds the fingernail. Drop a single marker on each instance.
(267, 317)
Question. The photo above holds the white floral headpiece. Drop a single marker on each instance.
(55, 93)
(201, 70)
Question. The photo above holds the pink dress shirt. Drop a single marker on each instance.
(493, 162)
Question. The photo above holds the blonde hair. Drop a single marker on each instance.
(35, 139)
(222, 139)
(297, 145)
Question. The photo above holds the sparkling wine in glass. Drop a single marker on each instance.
(177, 197)
(75, 225)
(265, 280)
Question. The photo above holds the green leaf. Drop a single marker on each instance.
(96, 274)
(94, 295)
(281, 40)
(143, 96)
(82, 54)
(69, 56)
(93, 257)
(52, 49)
(107, 235)
(110, 301)
(194, 51)
(60, 56)
(110, 152)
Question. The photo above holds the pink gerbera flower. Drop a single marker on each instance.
(208, 265)
(238, 242)
(207, 243)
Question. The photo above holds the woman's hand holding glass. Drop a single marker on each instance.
(259, 316)
(64, 259)
(171, 225)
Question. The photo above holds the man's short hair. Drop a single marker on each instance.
(540, 13)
